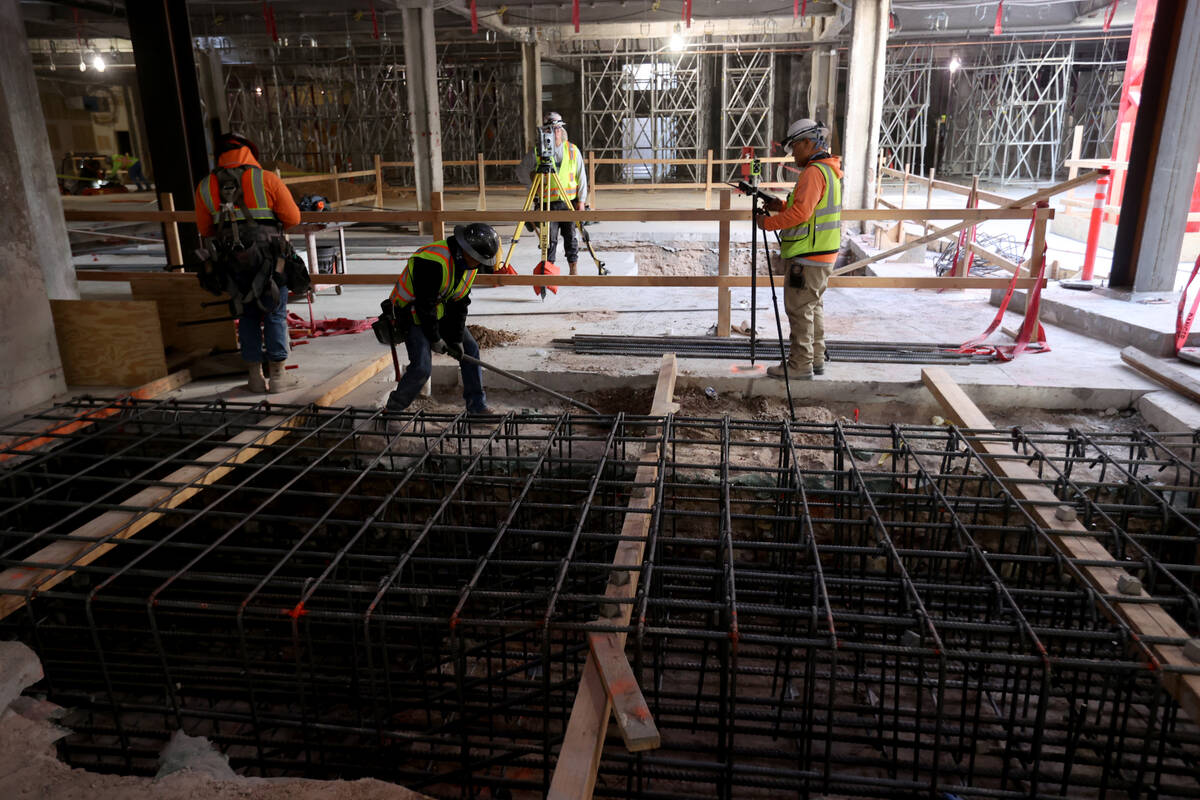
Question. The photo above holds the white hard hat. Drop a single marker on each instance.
(806, 129)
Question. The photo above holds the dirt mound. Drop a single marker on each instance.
(488, 337)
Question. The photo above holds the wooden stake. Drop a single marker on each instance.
(708, 181)
(166, 201)
(482, 205)
(724, 299)
(378, 181)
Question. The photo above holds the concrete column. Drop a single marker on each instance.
(864, 100)
(35, 261)
(1163, 156)
(425, 122)
(212, 90)
(531, 91)
(822, 91)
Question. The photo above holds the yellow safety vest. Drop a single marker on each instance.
(568, 175)
(254, 194)
(439, 253)
(822, 232)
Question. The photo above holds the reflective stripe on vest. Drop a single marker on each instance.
(822, 232)
(439, 253)
(568, 175)
(254, 194)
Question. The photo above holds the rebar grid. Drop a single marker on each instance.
(822, 607)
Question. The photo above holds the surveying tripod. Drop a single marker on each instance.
(545, 182)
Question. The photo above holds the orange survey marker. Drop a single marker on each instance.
(545, 268)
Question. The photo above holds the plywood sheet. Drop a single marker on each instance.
(181, 300)
(109, 342)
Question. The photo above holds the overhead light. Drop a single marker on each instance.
(258, 90)
(676, 42)
(98, 62)
(955, 63)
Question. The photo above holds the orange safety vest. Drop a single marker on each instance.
(439, 253)
(254, 194)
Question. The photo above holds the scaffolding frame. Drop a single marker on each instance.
(1010, 111)
(822, 607)
(1096, 84)
(747, 100)
(643, 105)
(906, 93)
(478, 101)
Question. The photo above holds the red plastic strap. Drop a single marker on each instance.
(803, 8)
(976, 345)
(795, 8)
(475, 17)
(1184, 326)
(998, 28)
(1108, 17)
(575, 14)
(269, 20)
(375, 19)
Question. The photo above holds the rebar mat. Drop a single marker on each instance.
(861, 610)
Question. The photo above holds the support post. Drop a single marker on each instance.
(531, 91)
(593, 189)
(170, 93)
(439, 225)
(864, 110)
(1162, 156)
(171, 233)
(420, 63)
(378, 181)
(482, 204)
(708, 184)
(723, 294)
(337, 190)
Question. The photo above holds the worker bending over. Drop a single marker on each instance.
(242, 211)
(810, 237)
(572, 178)
(427, 310)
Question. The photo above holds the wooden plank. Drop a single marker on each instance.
(481, 175)
(92, 540)
(996, 258)
(1072, 539)
(181, 300)
(171, 232)
(1167, 374)
(724, 300)
(378, 181)
(55, 432)
(108, 342)
(583, 742)
(629, 706)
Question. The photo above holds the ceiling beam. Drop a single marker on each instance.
(490, 20)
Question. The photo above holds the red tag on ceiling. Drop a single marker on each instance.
(575, 14)
(1108, 17)
(998, 28)
(374, 21)
(475, 18)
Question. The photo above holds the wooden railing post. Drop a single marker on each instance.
(708, 184)
(378, 181)
(337, 193)
(929, 194)
(166, 201)
(592, 187)
(439, 225)
(723, 293)
(1036, 260)
(903, 199)
(482, 204)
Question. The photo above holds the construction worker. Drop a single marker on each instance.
(133, 166)
(249, 248)
(572, 178)
(810, 237)
(427, 310)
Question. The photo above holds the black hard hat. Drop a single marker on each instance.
(479, 241)
(232, 141)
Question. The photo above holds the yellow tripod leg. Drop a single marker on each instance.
(520, 225)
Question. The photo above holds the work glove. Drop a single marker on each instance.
(774, 205)
(388, 308)
(454, 350)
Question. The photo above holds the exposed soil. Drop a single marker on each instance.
(687, 258)
(490, 337)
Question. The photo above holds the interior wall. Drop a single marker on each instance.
(72, 129)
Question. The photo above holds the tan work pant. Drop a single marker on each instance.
(806, 314)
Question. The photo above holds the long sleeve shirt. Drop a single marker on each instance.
(278, 197)
(529, 163)
(809, 189)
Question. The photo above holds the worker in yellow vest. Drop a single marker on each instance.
(427, 310)
(572, 178)
(810, 236)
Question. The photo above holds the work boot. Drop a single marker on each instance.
(793, 373)
(484, 411)
(574, 267)
(256, 383)
(280, 381)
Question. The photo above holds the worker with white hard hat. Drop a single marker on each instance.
(810, 235)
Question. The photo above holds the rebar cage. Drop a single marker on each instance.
(822, 608)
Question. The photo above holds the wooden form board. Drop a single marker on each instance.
(583, 744)
(1072, 539)
(1171, 376)
(55, 562)
(180, 299)
(108, 342)
(613, 281)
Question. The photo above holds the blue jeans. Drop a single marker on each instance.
(250, 331)
(420, 367)
(137, 176)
